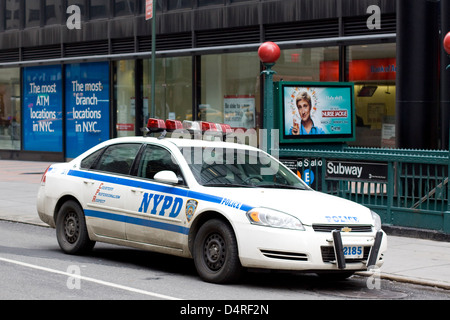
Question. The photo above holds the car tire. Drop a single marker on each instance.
(215, 253)
(71, 231)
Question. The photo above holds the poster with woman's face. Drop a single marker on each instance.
(319, 110)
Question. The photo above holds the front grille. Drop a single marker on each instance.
(285, 255)
(331, 227)
(329, 256)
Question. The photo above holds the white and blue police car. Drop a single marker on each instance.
(229, 206)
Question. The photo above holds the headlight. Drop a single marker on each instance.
(376, 220)
(273, 218)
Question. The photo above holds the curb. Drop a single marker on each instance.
(43, 225)
(404, 279)
(416, 233)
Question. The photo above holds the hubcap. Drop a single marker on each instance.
(214, 252)
(71, 227)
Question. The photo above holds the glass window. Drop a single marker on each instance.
(173, 88)
(372, 68)
(202, 3)
(87, 162)
(10, 111)
(229, 89)
(124, 97)
(53, 11)
(12, 14)
(98, 9)
(124, 7)
(155, 159)
(178, 4)
(308, 64)
(240, 168)
(32, 13)
(118, 158)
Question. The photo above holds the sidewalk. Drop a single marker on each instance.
(420, 261)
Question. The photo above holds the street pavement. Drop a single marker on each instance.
(408, 259)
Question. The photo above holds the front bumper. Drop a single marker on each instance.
(309, 250)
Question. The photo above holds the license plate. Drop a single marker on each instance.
(353, 252)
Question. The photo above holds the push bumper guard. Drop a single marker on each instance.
(339, 249)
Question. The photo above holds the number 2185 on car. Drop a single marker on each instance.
(352, 252)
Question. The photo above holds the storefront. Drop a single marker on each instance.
(64, 90)
(64, 109)
(10, 109)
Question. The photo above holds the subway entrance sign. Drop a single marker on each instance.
(357, 171)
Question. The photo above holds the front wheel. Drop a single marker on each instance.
(216, 254)
(71, 231)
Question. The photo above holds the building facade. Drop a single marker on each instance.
(77, 72)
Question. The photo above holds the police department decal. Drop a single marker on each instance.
(191, 205)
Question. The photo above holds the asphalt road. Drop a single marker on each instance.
(32, 267)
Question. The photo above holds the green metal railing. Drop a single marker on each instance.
(414, 192)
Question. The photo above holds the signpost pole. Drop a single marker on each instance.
(153, 110)
(268, 53)
(150, 13)
(446, 46)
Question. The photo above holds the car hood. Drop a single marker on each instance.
(307, 205)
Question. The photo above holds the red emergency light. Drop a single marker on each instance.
(225, 128)
(205, 125)
(173, 124)
(155, 125)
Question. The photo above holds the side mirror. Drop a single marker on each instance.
(166, 176)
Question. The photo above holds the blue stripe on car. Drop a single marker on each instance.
(147, 186)
(136, 221)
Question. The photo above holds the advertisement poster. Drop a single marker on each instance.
(87, 106)
(42, 108)
(317, 112)
(239, 111)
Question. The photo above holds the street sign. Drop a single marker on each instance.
(148, 9)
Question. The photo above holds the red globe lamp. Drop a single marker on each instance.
(269, 52)
(447, 43)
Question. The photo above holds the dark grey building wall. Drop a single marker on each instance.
(231, 23)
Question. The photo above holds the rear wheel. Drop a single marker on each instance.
(215, 253)
(71, 231)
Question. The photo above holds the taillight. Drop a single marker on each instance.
(44, 175)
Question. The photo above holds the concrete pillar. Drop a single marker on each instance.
(417, 74)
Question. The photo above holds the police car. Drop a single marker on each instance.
(227, 205)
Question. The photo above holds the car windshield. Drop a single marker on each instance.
(229, 167)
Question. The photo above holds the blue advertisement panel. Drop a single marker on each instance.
(316, 112)
(42, 108)
(87, 106)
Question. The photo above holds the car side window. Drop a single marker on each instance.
(155, 159)
(118, 158)
(87, 162)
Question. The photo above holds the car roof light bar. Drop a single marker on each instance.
(155, 125)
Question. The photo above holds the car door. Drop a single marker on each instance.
(105, 186)
(156, 209)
